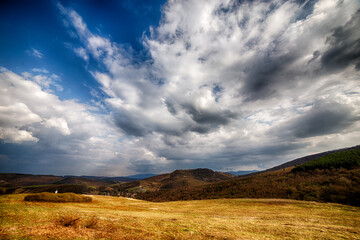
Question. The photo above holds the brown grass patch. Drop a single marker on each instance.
(68, 221)
(92, 222)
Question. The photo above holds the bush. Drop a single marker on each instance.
(57, 197)
(68, 221)
(91, 223)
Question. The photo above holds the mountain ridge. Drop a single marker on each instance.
(328, 177)
(334, 184)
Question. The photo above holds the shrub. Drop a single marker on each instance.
(59, 197)
(68, 221)
(91, 223)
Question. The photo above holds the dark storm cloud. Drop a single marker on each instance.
(324, 118)
(345, 46)
(204, 120)
(232, 154)
(36, 159)
(269, 73)
(316, 55)
(171, 107)
(144, 166)
(207, 120)
(214, 118)
(265, 75)
(202, 129)
(278, 148)
(130, 125)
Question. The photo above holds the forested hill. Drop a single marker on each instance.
(177, 179)
(334, 177)
(305, 159)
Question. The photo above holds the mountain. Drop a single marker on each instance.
(305, 159)
(329, 177)
(241, 173)
(83, 181)
(141, 176)
(114, 179)
(332, 176)
(17, 179)
(28, 183)
(175, 180)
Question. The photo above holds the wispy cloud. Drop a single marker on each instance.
(34, 52)
(225, 75)
(45, 79)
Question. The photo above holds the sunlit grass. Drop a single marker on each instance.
(59, 198)
(120, 218)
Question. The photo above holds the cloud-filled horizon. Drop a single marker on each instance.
(131, 87)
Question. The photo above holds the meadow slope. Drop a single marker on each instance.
(121, 218)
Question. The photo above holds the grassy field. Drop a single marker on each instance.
(120, 218)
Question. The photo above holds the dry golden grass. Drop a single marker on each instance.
(121, 218)
(58, 198)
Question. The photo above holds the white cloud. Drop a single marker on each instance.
(15, 117)
(43, 78)
(14, 135)
(58, 123)
(229, 85)
(81, 52)
(40, 70)
(62, 132)
(224, 76)
(36, 53)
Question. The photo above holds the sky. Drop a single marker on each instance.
(114, 88)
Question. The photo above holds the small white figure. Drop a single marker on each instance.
(56, 191)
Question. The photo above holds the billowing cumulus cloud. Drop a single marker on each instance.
(221, 84)
(234, 84)
(37, 128)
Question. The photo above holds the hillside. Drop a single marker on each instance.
(141, 176)
(305, 159)
(18, 180)
(84, 181)
(175, 180)
(113, 179)
(120, 218)
(332, 176)
(28, 183)
(200, 174)
(333, 183)
(240, 173)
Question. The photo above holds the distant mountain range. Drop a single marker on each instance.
(332, 176)
(240, 173)
(119, 179)
(141, 176)
(11, 180)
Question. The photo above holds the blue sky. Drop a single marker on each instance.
(36, 25)
(125, 87)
